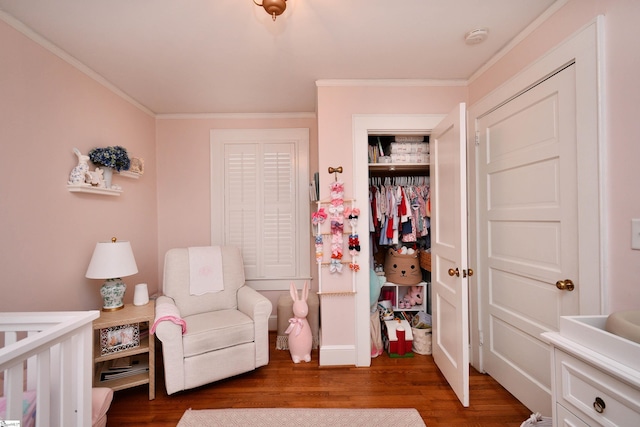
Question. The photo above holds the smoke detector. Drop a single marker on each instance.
(476, 36)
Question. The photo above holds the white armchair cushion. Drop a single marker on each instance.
(216, 330)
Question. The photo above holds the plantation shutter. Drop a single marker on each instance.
(241, 207)
(261, 205)
(279, 210)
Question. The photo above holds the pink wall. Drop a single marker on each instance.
(47, 107)
(184, 176)
(621, 174)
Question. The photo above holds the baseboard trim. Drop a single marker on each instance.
(336, 355)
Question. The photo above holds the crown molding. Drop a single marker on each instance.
(242, 116)
(391, 82)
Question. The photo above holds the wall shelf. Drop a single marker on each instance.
(95, 190)
(129, 174)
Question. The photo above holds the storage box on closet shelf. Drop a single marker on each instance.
(409, 149)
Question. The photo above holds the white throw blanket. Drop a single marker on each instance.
(205, 268)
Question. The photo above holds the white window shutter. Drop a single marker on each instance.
(241, 213)
(259, 202)
(279, 222)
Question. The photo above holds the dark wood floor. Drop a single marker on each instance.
(402, 383)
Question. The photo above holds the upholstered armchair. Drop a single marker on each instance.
(211, 336)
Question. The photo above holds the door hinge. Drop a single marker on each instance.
(481, 338)
(477, 138)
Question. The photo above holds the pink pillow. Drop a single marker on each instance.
(101, 398)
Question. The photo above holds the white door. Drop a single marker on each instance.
(449, 281)
(528, 232)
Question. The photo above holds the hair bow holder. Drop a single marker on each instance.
(334, 219)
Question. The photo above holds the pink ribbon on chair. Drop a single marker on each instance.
(295, 323)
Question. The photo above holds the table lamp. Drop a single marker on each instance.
(112, 261)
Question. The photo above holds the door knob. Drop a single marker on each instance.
(453, 272)
(565, 285)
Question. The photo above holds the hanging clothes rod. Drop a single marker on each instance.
(399, 180)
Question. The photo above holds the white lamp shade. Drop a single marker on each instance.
(112, 260)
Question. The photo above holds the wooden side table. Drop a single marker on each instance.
(130, 315)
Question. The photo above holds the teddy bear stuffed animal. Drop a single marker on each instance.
(412, 298)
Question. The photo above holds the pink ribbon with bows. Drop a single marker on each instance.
(295, 323)
(351, 212)
(319, 217)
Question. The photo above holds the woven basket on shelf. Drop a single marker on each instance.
(425, 260)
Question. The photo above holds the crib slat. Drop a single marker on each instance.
(13, 389)
(43, 387)
(31, 368)
(10, 337)
(55, 386)
(83, 345)
(67, 406)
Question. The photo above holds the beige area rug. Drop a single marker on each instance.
(299, 417)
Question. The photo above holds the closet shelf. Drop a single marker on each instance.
(404, 167)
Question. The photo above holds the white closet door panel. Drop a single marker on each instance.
(516, 136)
(533, 185)
(450, 292)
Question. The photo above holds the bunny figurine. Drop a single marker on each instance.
(80, 173)
(299, 331)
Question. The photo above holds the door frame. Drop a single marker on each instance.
(585, 49)
(363, 126)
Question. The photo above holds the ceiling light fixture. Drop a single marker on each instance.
(273, 7)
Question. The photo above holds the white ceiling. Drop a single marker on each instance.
(228, 56)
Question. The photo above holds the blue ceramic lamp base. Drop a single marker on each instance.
(112, 292)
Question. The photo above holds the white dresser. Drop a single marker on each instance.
(595, 375)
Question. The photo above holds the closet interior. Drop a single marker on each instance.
(400, 229)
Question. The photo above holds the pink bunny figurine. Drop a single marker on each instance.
(299, 331)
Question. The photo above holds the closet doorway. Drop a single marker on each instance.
(449, 249)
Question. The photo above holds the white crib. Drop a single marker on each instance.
(47, 356)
